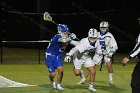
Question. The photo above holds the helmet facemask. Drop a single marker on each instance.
(63, 30)
(92, 35)
(104, 26)
(64, 34)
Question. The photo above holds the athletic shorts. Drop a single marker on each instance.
(97, 59)
(88, 62)
(53, 62)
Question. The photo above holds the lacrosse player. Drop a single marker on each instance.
(105, 50)
(135, 81)
(82, 56)
(108, 48)
(54, 53)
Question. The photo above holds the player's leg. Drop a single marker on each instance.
(49, 62)
(92, 78)
(51, 76)
(110, 69)
(86, 74)
(77, 70)
(82, 74)
(59, 77)
(59, 66)
(90, 66)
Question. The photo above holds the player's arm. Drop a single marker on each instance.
(136, 49)
(71, 53)
(113, 46)
(78, 48)
(74, 43)
(133, 53)
(74, 39)
(64, 40)
(69, 39)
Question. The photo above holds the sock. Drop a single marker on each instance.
(51, 79)
(58, 85)
(82, 74)
(91, 83)
(110, 76)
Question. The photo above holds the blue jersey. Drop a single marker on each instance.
(54, 52)
(55, 47)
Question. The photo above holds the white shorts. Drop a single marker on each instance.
(97, 59)
(88, 62)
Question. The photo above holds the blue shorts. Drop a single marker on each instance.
(53, 62)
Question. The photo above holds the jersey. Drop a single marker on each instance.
(85, 54)
(54, 52)
(107, 42)
(55, 47)
(84, 45)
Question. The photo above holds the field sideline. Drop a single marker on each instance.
(37, 74)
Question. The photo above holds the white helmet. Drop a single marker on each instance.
(104, 26)
(93, 33)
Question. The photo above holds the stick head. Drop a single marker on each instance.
(47, 17)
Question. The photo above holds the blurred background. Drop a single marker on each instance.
(22, 20)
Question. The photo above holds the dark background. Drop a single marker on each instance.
(22, 19)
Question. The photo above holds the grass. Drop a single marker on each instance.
(21, 66)
(38, 75)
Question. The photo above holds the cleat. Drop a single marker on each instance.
(91, 87)
(58, 87)
(82, 81)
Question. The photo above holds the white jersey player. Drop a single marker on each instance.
(107, 49)
(81, 55)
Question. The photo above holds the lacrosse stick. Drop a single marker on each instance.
(107, 39)
(102, 61)
(47, 17)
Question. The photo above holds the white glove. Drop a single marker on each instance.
(99, 52)
(104, 52)
(110, 54)
(73, 36)
(67, 58)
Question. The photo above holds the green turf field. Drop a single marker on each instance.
(21, 65)
(38, 74)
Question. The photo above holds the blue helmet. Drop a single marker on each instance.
(62, 28)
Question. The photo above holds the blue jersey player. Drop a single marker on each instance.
(54, 53)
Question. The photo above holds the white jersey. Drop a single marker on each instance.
(84, 56)
(84, 46)
(107, 42)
